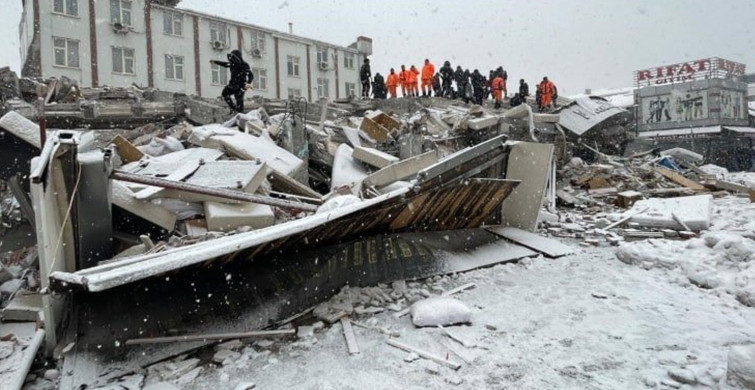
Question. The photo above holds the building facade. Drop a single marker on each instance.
(155, 44)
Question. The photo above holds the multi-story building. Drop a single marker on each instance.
(155, 44)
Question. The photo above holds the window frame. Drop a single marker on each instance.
(293, 62)
(120, 12)
(323, 84)
(66, 52)
(124, 50)
(220, 29)
(352, 86)
(175, 66)
(174, 17)
(295, 95)
(322, 55)
(255, 38)
(260, 74)
(65, 11)
(349, 59)
(221, 73)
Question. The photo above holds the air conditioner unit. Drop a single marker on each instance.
(323, 66)
(256, 53)
(218, 45)
(120, 28)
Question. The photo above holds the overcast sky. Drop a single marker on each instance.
(577, 43)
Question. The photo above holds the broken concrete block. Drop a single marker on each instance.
(373, 157)
(124, 198)
(195, 227)
(208, 136)
(23, 307)
(482, 123)
(346, 171)
(546, 118)
(628, 198)
(227, 217)
(21, 127)
(244, 176)
(250, 147)
(518, 112)
(378, 125)
(695, 211)
(401, 170)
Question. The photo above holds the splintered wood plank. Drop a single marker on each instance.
(547, 246)
(681, 180)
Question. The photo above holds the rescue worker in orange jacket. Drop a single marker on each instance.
(414, 81)
(428, 71)
(548, 93)
(402, 79)
(392, 82)
(497, 87)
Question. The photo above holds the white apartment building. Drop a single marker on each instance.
(155, 44)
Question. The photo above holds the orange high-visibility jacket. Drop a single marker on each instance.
(428, 71)
(402, 76)
(497, 84)
(546, 88)
(411, 76)
(392, 80)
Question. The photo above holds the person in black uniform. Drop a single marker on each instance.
(364, 76)
(447, 75)
(379, 90)
(241, 80)
(478, 85)
(524, 89)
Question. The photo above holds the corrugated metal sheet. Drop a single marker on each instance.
(681, 132)
(587, 112)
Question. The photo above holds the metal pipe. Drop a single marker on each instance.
(219, 192)
(17, 382)
(212, 337)
(42, 122)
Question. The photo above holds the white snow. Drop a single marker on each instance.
(694, 211)
(21, 127)
(440, 311)
(346, 171)
(741, 366)
(745, 178)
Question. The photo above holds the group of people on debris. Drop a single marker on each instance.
(470, 86)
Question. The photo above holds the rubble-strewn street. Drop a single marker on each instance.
(191, 201)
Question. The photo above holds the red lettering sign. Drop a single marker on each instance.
(692, 70)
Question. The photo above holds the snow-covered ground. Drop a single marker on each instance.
(585, 321)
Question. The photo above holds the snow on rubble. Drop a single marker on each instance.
(722, 259)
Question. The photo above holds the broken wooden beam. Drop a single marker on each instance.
(679, 179)
(219, 192)
(423, 354)
(680, 221)
(212, 337)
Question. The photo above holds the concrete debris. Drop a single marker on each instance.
(440, 311)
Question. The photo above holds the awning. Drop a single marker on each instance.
(681, 132)
(740, 129)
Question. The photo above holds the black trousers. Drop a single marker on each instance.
(366, 88)
(237, 93)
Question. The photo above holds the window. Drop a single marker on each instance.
(66, 7)
(66, 52)
(120, 12)
(218, 32)
(258, 41)
(348, 60)
(219, 75)
(322, 88)
(173, 23)
(351, 89)
(174, 67)
(260, 79)
(123, 60)
(293, 65)
(322, 55)
(294, 93)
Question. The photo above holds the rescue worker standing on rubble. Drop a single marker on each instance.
(524, 89)
(460, 82)
(478, 85)
(241, 80)
(497, 88)
(437, 88)
(505, 76)
(414, 81)
(378, 87)
(547, 94)
(428, 70)
(402, 80)
(447, 74)
(365, 74)
(392, 83)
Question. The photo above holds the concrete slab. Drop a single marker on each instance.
(240, 175)
(373, 157)
(530, 163)
(227, 217)
(482, 123)
(546, 118)
(547, 246)
(249, 147)
(347, 171)
(23, 307)
(401, 170)
(694, 211)
(21, 127)
(124, 198)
